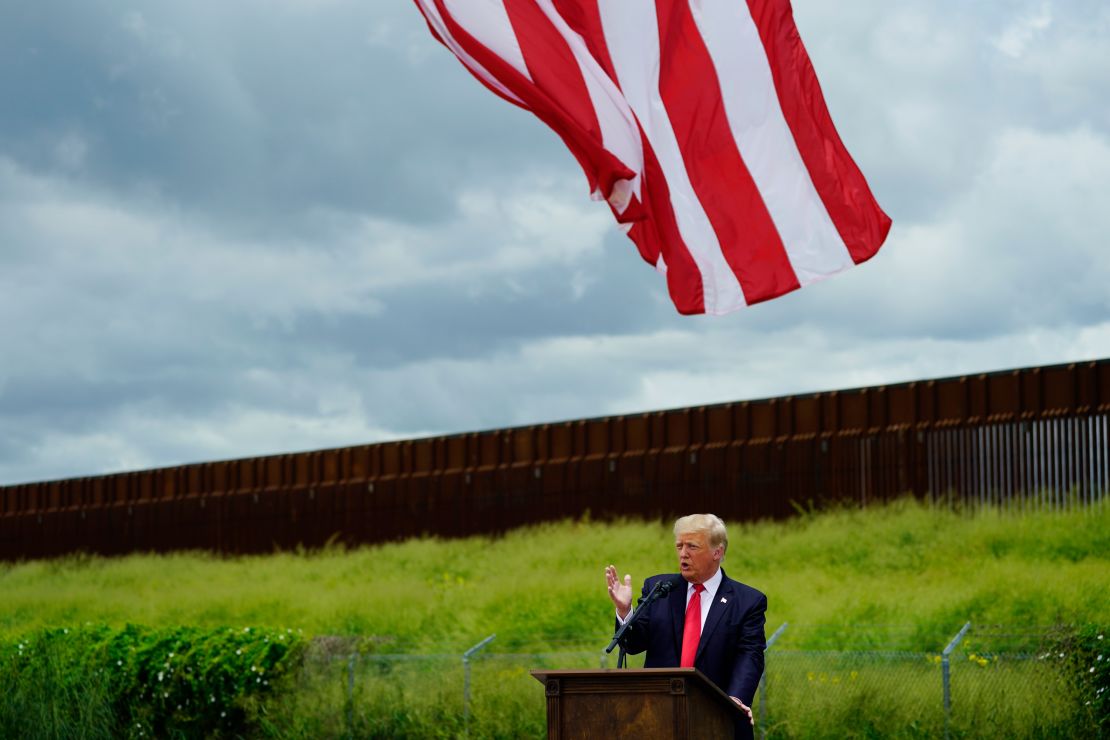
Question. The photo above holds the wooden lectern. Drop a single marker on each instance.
(678, 703)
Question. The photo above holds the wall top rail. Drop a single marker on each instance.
(983, 399)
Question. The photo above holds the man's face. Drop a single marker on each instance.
(697, 561)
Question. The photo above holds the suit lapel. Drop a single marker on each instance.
(720, 604)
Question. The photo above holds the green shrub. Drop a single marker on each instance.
(137, 682)
(1086, 654)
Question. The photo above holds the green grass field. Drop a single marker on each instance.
(905, 564)
(903, 577)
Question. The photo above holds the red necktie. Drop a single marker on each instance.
(691, 632)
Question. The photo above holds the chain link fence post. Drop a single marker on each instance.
(351, 694)
(945, 678)
(763, 683)
(466, 682)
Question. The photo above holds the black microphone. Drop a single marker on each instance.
(669, 584)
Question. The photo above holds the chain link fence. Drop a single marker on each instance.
(474, 692)
(984, 682)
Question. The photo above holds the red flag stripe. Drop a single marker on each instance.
(860, 222)
(732, 202)
(489, 23)
(439, 30)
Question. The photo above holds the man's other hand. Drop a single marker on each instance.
(745, 707)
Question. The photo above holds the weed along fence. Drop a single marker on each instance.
(985, 681)
(1032, 437)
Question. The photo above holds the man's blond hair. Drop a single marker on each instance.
(708, 524)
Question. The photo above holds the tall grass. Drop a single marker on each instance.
(904, 564)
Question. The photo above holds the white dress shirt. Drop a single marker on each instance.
(707, 595)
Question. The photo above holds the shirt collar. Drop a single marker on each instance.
(711, 585)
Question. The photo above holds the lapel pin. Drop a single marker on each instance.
(724, 600)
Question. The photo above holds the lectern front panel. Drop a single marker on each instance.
(648, 703)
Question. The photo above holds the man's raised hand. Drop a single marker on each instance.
(620, 593)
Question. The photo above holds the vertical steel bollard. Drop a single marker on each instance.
(763, 684)
(945, 677)
(466, 682)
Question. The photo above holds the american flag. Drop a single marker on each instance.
(700, 122)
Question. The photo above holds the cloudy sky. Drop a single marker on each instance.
(232, 229)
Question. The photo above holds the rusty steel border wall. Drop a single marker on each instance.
(1030, 437)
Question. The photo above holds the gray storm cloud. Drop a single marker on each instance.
(242, 229)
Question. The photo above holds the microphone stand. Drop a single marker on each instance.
(658, 591)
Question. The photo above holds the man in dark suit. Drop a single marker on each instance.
(707, 621)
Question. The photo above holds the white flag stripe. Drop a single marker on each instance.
(632, 34)
(431, 12)
(619, 132)
(765, 142)
(488, 22)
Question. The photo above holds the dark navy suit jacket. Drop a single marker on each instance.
(730, 652)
